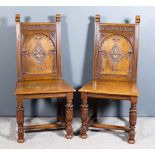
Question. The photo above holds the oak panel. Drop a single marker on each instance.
(114, 56)
(38, 55)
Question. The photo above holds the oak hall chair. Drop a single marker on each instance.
(114, 73)
(40, 71)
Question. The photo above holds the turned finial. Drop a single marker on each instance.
(137, 19)
(17, 18)
(97, 18)
(58, 17)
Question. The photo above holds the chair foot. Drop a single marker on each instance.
(69, 136)
(69, 131)
(83, 136)
(20, 140)
(131, 141)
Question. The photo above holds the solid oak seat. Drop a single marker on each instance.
(43, 86)
(110, 87)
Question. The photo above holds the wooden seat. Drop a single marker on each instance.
(111, 87)
(43, 86)
(114, 73)
(39, 69)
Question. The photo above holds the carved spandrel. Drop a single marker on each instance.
(49, 30)
(53, 38)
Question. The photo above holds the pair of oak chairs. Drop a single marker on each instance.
(40, 72)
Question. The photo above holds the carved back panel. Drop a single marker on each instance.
(38, 50)
(116, 50)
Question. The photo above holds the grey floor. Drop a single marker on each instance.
(145, 137)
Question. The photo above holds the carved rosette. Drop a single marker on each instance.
(115, 53)
(38, 52)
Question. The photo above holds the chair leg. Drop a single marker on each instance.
(132, 120)
(69, 116)
(20, 119)
(84, 116)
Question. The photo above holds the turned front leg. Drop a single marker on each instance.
(132, 120)
(20, 119)
(84, 116)
(69, 116)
